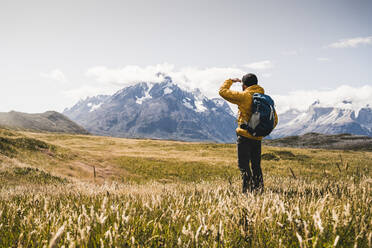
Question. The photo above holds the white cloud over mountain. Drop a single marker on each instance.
(130, 74)
(344, 97)
(86, 90)
(352, 42)
(208, 80)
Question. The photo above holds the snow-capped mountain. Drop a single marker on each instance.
(326, 120)
(80, 109)
(156, 110)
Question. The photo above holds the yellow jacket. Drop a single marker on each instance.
(244, 101)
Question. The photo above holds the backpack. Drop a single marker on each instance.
(262, 120)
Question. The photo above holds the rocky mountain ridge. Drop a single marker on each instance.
(156, 110)
(325, 120)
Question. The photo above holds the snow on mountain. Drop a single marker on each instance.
(148, 87)
(166, 111)
(344, 118)
(94, 106)
(90, 104)
(288, 116)
(157, 110)
(221, 103)
(365, 117)
(167, 91)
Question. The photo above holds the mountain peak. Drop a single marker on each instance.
(326, 120)
(160, 110)
(166, 78)
(317, 102)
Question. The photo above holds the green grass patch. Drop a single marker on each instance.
(6, 132)
(144, 169)
(26, 176)
(12, 146)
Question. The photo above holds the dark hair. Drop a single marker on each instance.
(249, 79)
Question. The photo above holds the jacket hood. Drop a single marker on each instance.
(256, 89)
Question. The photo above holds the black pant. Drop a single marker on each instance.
(249, 151)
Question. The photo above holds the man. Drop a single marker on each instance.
(248, 146)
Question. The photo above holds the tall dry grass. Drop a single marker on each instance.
(175, 194)
(291, 213)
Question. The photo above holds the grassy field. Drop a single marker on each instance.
(148, 193)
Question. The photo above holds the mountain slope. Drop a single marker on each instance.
(83, 106)
(325, 120)
(49, 121)
(157, 110)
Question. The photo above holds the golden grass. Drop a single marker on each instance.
(104, 152)
(151, 193)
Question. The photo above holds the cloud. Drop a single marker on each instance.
(208, 80)
(74, 95)
(352, 42)
(301, 100)
(55, 74)
(323, 59)
(129, 74)
(86, 90)
(261, 65)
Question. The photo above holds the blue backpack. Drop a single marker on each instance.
(263, 116)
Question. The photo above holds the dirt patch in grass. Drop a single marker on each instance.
(285, 154)
(288, 155)
(270, 156)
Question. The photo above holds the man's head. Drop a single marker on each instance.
(249, 80)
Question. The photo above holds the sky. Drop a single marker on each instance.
(53, 53)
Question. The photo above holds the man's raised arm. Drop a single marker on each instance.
(231, 95)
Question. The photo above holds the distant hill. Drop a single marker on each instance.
(158, 111)
(49, 121)
(316, 140)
